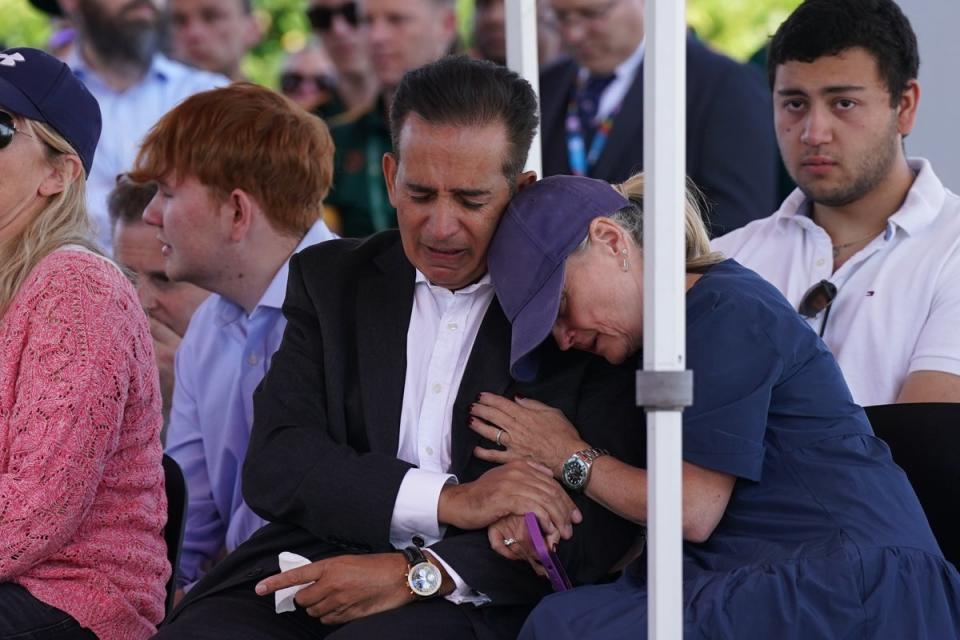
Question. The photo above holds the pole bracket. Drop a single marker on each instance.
(664, 390)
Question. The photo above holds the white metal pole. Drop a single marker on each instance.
(521, 19)
(664, 317)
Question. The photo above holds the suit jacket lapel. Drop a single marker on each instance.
(384, 303)
(626, 135)
(487, 370)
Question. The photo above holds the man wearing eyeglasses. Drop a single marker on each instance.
(592, 110)
(868, 246)
(214, 34)
(337, 24)
(403, 35)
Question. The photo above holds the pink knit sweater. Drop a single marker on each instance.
(82, 505)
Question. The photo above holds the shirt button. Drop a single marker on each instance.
(452, 326)
(437, 388)
(252, 359)
(417, 541)
(821, 262)
(429, 451)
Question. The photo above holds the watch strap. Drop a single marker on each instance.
(413, 555)
(589, 455)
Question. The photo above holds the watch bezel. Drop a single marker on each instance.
(430, 591)
(575, 464)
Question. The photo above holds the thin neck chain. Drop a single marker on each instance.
(837, 248)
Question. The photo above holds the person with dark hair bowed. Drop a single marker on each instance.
(360, 455)
(867, 249)
(82, 504)
(797, 523)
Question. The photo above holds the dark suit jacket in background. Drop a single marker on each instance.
(731, 146)
(322, 465)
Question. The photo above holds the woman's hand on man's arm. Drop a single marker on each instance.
(527, 429)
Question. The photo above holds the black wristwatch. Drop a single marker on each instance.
(423, 577)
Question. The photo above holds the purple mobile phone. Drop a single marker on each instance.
(549, 560)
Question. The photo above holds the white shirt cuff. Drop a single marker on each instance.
(463, 594)
(415, 510)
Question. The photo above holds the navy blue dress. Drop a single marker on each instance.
(823, 536)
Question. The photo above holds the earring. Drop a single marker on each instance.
(626, 265)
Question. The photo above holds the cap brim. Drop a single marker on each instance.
(15, 101)
(51, 7)
(533, 325)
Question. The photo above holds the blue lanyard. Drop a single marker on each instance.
(581, 160)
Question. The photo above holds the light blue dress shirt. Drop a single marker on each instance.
(127, 116)
(221, 360)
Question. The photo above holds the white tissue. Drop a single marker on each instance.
(284, 597)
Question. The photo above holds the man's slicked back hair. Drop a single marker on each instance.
(826, 27)
(460, 91)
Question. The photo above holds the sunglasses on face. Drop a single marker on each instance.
(321, 18)
(291, 81)
(7, 129)
(819, 297)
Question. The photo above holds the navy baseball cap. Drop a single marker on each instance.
(38, 86)
(543, 225)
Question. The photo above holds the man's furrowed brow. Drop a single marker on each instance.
(472, 193)
(420, 188)
(462, 192)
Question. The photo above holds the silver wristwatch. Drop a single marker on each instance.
(576, 470)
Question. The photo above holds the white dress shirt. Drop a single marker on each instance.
(897, 308)
(443, 328)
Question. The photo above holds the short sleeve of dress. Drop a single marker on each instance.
(735, 367)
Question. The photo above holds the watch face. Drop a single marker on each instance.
(424, 579)
(574, 472)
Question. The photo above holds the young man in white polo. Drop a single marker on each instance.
(868, 246)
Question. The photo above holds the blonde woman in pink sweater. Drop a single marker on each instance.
(82, 505)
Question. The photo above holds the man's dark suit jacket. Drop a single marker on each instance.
(322, 465)
(731, 147)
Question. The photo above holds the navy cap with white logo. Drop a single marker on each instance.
(38, 86)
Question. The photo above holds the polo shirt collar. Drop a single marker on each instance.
(921, 206)
(924, 200)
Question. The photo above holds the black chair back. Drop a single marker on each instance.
(924, 439)
(176, 489)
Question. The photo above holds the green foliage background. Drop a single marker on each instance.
(737, 27)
